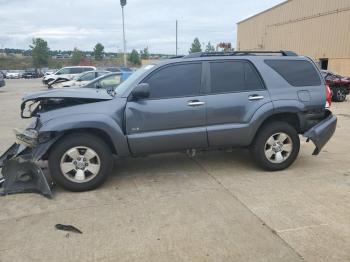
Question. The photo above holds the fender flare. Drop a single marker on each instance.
(271, 109)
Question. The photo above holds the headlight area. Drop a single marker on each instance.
(31, 137)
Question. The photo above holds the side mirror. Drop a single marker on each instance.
(141, 91)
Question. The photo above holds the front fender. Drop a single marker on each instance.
(100, 122)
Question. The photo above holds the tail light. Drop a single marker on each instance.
(328, 96)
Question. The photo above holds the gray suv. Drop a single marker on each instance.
(260, 100)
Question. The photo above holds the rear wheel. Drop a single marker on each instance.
(276, 146)
(80, 162)
(339, 94)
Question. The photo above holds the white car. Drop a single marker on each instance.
(79, 80)
(67, 73)
(13, 75)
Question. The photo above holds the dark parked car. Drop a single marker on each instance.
(201, 101)
(339, 85)
(31, 73)
(2, 80)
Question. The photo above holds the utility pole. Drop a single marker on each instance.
(123, 3)
(176, 39)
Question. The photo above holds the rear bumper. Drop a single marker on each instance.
(322, 132)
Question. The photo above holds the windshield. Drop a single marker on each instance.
(126, 84)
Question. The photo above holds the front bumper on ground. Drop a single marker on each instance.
(21, 170)
(322, 132)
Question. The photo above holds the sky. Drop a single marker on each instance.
(66, 24)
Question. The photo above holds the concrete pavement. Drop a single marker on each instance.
(217, 206)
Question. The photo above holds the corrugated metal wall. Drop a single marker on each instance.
(316, 28)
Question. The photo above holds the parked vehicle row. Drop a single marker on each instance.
(202, 101)
(86, 79)
(78, 80)
(17, 74)
(339, 85)
(67, 73)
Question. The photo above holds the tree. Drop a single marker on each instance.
(196, 46)
(98, 51)
(40, 52)
(144, 53)
(134, 57)
(209, 48)
(77, 56)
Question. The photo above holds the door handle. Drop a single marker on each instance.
(255, 97)
(195, 103)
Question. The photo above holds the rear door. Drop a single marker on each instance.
(236, 92)
(173, 117)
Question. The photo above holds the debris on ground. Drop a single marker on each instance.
(69, 228)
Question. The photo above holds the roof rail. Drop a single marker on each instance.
(239, 53)
(178, 56)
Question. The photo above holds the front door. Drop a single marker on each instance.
(173, 117)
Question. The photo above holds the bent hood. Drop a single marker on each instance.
(45, 101)
(84, 93)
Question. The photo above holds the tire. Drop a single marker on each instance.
(65, 155)
(268, 142)
(339, 94)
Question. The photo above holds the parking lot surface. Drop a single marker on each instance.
(217, 206)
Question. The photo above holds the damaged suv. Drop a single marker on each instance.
(260, 100)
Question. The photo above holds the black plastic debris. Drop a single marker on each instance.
(68, 228)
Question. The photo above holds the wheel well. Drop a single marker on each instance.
(290, 118)
(97, 132)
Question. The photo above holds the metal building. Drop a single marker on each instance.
(316, 28)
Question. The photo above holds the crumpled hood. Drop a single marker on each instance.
(40, 103)
(84, 93)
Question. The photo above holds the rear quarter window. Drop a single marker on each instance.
(297, 73)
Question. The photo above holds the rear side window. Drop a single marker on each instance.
(297, 73)
(234, 76)
(175, 81)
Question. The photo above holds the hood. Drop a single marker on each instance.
(41, 102)
(84, 93)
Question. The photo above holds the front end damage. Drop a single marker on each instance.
(22, 167)
(22, 171)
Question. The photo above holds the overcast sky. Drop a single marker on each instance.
(66, 24)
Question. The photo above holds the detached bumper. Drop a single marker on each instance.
(321, 133)
(21, 170)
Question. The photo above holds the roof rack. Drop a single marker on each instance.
(178, 56)
(239, 53)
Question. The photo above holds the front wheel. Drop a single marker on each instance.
(80, 162)
(276, 146)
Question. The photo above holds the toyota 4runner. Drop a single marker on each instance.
(260, 100)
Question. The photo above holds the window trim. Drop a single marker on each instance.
(170, 65)
(262, 82)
